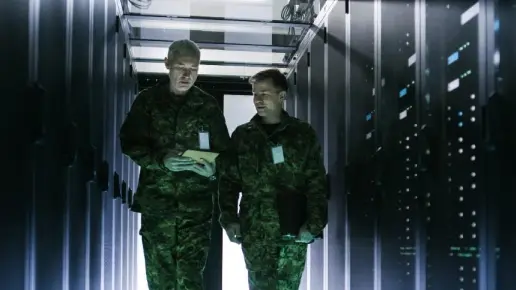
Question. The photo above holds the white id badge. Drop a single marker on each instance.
(277, 154)
(204, 140)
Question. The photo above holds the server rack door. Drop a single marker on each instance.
(316, 117)
(301, 112)
(502, 122)
(17, 194)
(48, 171)
(80, 86)
(336, 102)
(464, 138)
(97, 121)
(301, 103)
(117, 158)
(399, 226)
(110, 143)
(455, 76)
(291, 100)
(362, 215)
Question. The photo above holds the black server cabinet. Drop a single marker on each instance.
(110, 217)
(438, 208)
(400, 229)
(58, 141)
(292, 94)
(337, 67)
(317, 112)
(98, 126)
(502, 121)
(426, 200)
(302, 87)
(361, 194)
(458, 242)
(297, 106)
(118, 117)
(49, 177)
(80, 91)
(460, 236)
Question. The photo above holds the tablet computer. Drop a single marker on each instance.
(199, 155)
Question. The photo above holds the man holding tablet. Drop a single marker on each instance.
(176, 193)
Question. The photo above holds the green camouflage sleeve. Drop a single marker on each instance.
(219, 135)
(229, 183)
(135, 138)
(317, 187)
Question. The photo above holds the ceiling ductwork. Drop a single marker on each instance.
(237, 38)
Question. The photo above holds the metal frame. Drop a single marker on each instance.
(214, 45)
(221, 63)
(217, 20)
(378, 227)
(488, 240)
(121, 8)
(309, 35)
(420, 76)
(293, 51)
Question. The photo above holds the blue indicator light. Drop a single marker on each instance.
(460, 114)
(460, 124)
(453, 58)
(369, 117)
(497, 25)
(403, 92)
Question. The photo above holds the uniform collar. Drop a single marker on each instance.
(256, 121)
(193, 98)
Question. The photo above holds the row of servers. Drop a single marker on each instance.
(413, 102)
(66, 188)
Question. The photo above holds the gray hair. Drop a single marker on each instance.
(183, 48)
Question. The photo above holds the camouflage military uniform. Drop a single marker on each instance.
(248, 167)
(176, 207)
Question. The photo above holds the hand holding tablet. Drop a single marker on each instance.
(198, 156)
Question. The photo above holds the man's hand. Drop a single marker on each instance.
(205, 169)
(304, 236)
(233, 232)
(177, 163)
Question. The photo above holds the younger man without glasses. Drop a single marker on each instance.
(269, 156)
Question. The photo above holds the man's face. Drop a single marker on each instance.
(182, 73)
(268, 100)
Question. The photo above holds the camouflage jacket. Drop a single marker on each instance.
(248, 167)
(156, 124)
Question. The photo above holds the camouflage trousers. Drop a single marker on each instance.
(175, 252)
(274, 266)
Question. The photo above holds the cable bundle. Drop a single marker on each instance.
(306, 15)
(289, 13)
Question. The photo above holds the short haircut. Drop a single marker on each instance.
(183, 48)
(278, 79)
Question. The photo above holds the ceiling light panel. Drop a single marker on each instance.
(243, 27)
(213, 70)
(255, 57)
(267, 9)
